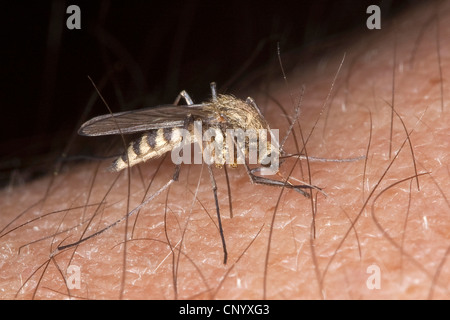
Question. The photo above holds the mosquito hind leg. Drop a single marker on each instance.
(300, 188)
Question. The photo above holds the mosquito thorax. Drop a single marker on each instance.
(234, 113)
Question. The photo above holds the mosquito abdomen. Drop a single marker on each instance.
(150, 145)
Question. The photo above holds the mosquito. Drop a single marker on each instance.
(162, 126)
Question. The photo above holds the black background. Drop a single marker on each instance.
(148, 50)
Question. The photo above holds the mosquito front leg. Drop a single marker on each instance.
(272, 182)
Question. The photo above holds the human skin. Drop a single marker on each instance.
(370, 216)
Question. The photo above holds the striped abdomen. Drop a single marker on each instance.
(150, 145)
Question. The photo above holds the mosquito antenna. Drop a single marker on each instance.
(297, 105)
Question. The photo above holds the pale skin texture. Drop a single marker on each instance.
(403, 233)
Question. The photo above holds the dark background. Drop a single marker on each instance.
(145, 52)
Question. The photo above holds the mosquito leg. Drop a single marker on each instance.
(213, 91)
(262, 180)
(230, 202)
(250, 100)
(176, 174)
(183, 94)
(129, 214)
(272, 182)
(214, 98)
(214, 187)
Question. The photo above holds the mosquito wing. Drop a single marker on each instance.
(165, 116)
